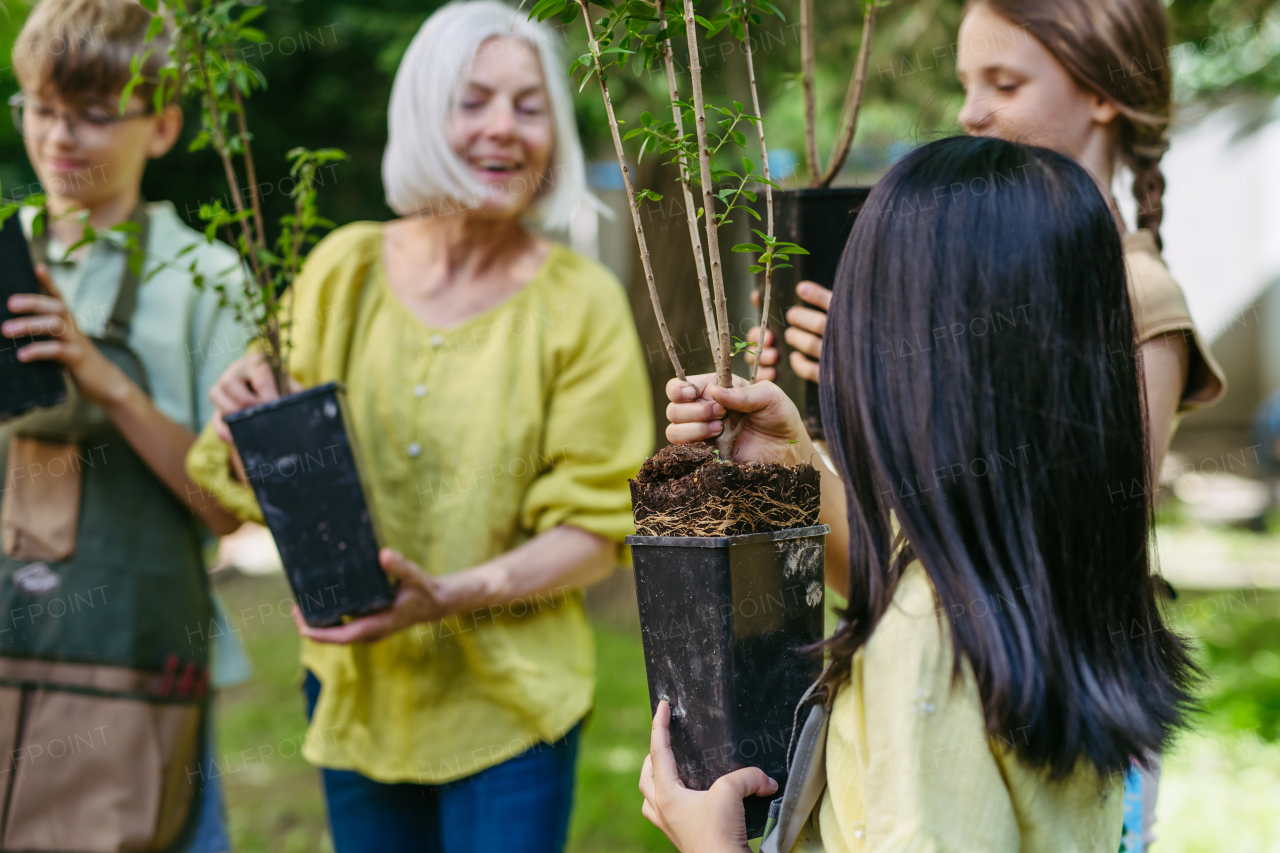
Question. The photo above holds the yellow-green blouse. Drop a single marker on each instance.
(910, 766)
(475, 438)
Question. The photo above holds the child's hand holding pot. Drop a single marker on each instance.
(95, 375)
(710, 821)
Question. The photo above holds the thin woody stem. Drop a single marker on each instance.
(852, 100)
(811, 158)
(264, 284)
(724, 366)
(279, 368)
(250, 172)
(768, 196)
(691, 212)
(631, 194)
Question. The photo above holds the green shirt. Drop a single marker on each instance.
(474, 438)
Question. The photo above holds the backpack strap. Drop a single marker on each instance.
(806, 770)
(117, 329)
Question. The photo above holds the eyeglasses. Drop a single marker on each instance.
(90, 128)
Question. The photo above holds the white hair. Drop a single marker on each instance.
(420, 167)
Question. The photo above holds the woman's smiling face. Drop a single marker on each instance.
(501, 125)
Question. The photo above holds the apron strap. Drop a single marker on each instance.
(117, 329)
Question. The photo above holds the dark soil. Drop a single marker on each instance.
(684, 490)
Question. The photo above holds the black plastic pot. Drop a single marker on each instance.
(23, 385)
(819, 220)
(723, 621)
(298, 456)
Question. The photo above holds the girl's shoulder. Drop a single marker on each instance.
(1159, 304)
(913, 624)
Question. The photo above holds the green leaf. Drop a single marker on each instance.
(544, 9)
(755, 268)
(127, 92)
(747, 247)
(150, 5)
(127, 227)
(154, 28)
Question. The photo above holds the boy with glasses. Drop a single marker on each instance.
(121, 526)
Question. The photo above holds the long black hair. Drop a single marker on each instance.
(981, 385)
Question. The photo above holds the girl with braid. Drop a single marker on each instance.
(1089, 79)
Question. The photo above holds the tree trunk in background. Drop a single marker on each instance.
(667, 234)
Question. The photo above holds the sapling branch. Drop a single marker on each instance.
(853, 99)
(811, 158)
(250, 172)
(594, 47)
(266, 288)
(768, 194)
(724, 366)
(691, 211)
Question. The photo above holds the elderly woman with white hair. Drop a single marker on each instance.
(499, 400)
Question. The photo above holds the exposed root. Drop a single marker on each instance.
(687, 491)
(747, 510)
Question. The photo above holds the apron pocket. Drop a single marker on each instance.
(97, 774)
(41, 508)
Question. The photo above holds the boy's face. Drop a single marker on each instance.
(100, 159)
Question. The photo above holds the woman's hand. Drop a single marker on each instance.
(99, 380)
(246, 382)
(804, 334)
(772, 428)
(420, 598)
(709, 821)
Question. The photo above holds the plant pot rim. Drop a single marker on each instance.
(722, 541)
(281, 402)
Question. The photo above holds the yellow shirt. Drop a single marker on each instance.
(910, 766)
(475, 438)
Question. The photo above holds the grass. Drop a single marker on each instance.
(1220, 788)
(1221, 784)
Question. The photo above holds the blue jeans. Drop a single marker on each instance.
(519, 806)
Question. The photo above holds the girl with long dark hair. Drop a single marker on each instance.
(1003, 658)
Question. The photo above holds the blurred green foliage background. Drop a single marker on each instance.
(329, 66)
